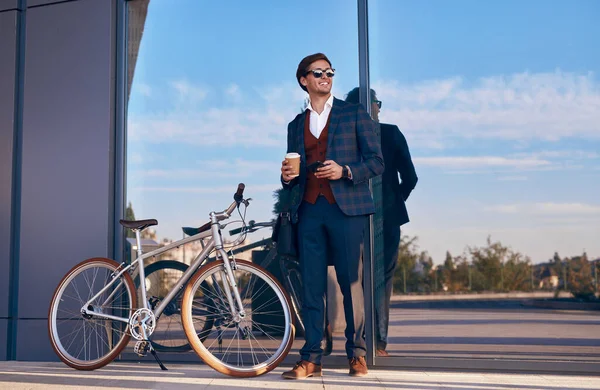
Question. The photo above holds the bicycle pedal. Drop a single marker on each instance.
(141, 348)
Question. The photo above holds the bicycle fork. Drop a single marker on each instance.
(237, 314)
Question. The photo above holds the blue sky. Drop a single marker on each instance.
(499, 101)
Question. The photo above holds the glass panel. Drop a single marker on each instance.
(499, 105)
(212, 90)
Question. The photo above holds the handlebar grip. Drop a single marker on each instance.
(239, 195)
(240, 189)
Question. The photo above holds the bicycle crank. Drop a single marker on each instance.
(142, 324)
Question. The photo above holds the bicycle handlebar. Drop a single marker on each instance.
(252, 227)
(238, 198)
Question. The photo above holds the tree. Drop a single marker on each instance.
(129, 216)
(449, 272)
(580, 279)
(488, 261)
(404, 275)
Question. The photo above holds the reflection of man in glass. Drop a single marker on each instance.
(396, 157)
(332, 208)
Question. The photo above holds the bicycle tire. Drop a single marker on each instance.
(61, 301)
(243, 331)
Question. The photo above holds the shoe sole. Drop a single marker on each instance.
(359, 374)
(314, 374)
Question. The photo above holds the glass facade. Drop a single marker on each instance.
(492, 106)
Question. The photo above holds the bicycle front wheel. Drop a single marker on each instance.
(90, 341)
(239, 347)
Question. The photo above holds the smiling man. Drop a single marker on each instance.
(340, 152)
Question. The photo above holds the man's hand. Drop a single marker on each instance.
(287, 171)
(331, 171)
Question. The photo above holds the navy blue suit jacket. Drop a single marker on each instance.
(397, 161)
(352, 141)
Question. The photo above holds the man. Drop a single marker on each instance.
(332, 208)
(396, 157)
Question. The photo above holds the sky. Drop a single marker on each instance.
(499, 102)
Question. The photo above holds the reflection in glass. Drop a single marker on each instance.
(503, 131)
(209, 100)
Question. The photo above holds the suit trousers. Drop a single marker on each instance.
(325, 232)
(391, 240)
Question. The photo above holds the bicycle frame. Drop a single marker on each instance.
(214, 242)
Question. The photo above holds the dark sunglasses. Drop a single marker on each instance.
(318, 73)
(378, 102)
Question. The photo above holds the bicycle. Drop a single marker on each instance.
(93, 312)
(162, 274)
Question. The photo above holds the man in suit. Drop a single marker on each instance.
(396, 157)
(331, 212)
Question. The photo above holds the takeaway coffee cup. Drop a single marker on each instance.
(293, 159)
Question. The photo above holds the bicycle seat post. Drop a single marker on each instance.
(141, 266)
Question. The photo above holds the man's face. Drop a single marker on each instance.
(318, 86)
(375, 111)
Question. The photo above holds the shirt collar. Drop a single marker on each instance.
(328, 103)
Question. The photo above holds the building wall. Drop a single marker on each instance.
(67, 156)
(8, 46)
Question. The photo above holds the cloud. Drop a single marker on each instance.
(479, 162)
(216, 169)
(547, 208)
(512, 178)
(233, 91)
(143, 89)
(521, 106)
(187, 91)
(211, 190)
(260, 121)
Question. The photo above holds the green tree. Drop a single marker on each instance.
(449, 272)
(405, 278)
(580, 279)
(517, 272)
(488, 261)
(129, 216)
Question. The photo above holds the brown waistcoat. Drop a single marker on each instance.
(316, 150)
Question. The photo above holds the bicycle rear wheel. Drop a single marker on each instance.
(240, 347)
(87, 341)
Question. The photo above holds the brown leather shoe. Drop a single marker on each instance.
(382, 353)
(302, 370)
(358, 366)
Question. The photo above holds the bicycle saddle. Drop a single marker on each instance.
(141, 224)
(190, 231)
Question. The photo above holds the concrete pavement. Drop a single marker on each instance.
(48, 376)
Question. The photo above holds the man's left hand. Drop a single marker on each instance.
(331, 171)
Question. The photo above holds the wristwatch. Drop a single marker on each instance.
(344, 172)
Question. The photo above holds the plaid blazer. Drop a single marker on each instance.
(352, 141)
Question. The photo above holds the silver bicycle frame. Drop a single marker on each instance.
(215, 242)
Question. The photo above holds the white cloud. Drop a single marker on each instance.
(211, 189)
(259, 122)
(522, 106)
(512, 178)
(547, 208)
(479, 162)
(217, 168)
(143, 89)
(189, 92)
(233, 91)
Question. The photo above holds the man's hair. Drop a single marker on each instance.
(353, 96)
(305, 63)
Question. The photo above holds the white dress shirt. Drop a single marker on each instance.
(318, 121)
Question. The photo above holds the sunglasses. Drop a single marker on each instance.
(378, 102)
(318, 73)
